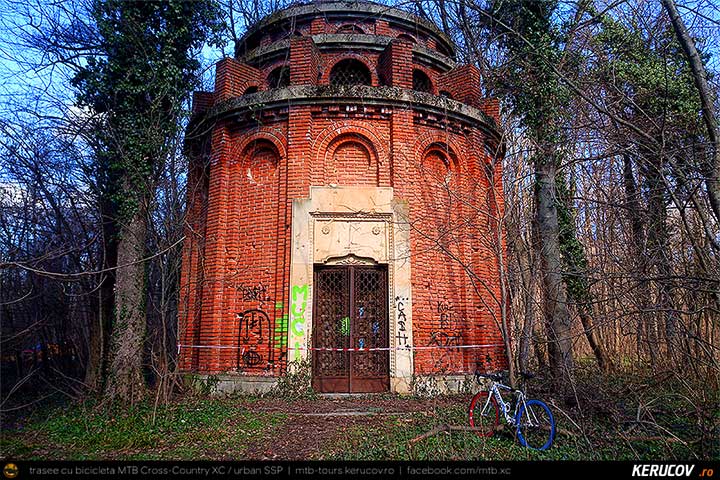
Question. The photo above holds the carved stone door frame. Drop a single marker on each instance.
(351, 226)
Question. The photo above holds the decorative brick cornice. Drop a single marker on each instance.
(328, 42)
(432, 106)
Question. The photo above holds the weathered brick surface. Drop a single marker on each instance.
(463, 84)
(233, 78)
(395, 64)
(236, 258)
(304, 58)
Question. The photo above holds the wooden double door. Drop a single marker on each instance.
(350, 312)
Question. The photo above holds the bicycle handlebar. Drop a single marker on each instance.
(496, 376)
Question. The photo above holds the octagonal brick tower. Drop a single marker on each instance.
(343, 191)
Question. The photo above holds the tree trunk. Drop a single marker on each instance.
(125, 379)
(527, 268)
(646, 331)
(576, 275)
(99, 331)
(539, 344)
(706, 100)
(585, 313)
(557, 317)
(658, 244)
(526, 338)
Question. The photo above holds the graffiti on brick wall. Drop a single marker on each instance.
(254, 293)
(445, 313)
(401, 339)
(254, 326)
(299, 299)
(252, 358)
(446, 338)
(281, 333)
(253, 331)
(444, 356)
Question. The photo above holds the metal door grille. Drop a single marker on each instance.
(370, 323)
(350, 311)
(333, 295)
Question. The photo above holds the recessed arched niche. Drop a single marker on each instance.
(421, 82)
(279, 77)
(351, 159)
(438, 164)
(350, 28)
(259, 162)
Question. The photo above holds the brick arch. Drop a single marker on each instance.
(325, 141)
(438, 166)
(351, 137)
(259, 161)
(282, 68)
(439, 218)
(407, 37)
(350, 28)
(351, 160)
(422, 82)
(273, 136)
(253, 213)
(431, 75)
(430, 140)
(330, 60)
(443, 151)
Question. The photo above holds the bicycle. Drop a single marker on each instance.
(532, 419)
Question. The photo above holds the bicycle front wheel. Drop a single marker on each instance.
(535, 425)
(484, 413)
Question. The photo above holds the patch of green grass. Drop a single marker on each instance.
(209, 428)
(14, 447)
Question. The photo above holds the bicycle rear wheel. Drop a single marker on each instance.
(535, 425)
(484, 413)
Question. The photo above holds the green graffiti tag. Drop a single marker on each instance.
(345, 326)
(299, 299)
(281, 332)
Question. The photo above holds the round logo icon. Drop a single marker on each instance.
(11, 470)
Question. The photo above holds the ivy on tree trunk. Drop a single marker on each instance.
(139, 85)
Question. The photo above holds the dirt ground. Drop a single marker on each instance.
(315, 425)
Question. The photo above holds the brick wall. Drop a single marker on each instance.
(463, 83)
(232, 78)
(304, 58)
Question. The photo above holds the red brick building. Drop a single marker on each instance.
(343, 192)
